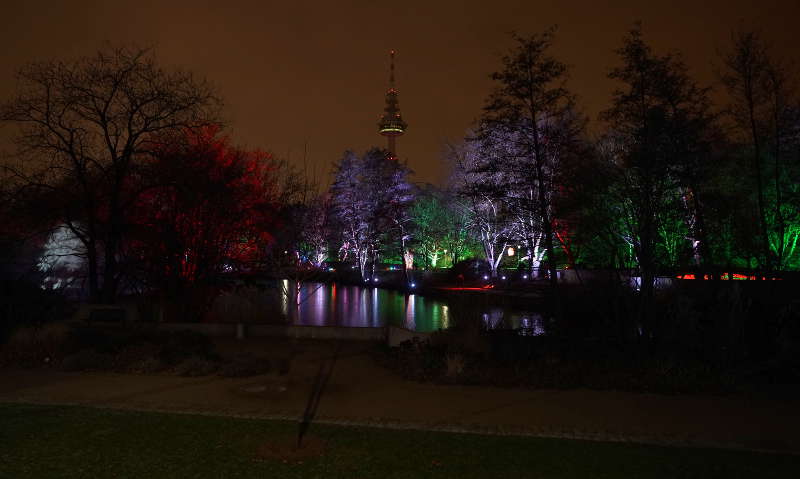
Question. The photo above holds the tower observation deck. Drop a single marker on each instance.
(391, 124)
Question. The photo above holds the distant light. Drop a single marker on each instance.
(504, 277)
(511, 251)
(331, 269)
(525, 276)
(413, 285)
(375, 279)
(485, 277)
(285, 252)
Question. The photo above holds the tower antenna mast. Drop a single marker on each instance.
(391, 124)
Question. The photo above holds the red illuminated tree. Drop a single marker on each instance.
(210, 209)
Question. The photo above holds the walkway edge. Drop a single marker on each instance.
(379, 423)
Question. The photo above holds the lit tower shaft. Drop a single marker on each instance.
(391, 124)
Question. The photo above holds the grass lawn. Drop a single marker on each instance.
(59, 441)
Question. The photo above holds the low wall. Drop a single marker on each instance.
(279, 330)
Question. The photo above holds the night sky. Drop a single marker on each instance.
(297, 73)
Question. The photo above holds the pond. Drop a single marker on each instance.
(322, 304)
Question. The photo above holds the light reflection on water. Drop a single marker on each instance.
(321, 304)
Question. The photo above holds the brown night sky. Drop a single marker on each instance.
(316, 72)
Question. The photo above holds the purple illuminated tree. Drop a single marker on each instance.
(529, 124)
(370, 199)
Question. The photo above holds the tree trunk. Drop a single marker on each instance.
(547, 226)
(762, 221)
(647, 273)
(403, 260)
(94, 290)
(109, 290)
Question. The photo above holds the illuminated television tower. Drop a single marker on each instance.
(391, 124)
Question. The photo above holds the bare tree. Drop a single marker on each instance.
(83, 126)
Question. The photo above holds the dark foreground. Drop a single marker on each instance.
(69, 441)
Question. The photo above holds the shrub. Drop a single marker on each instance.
(31, 346)
(131, 358)
(466, 336)
(87, 360)
(84, 336)
(245, 366)
(420, 360)
(196, 366)
(24, 303)
(181, 345)
(147, 366)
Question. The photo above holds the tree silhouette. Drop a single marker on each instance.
(84, 127)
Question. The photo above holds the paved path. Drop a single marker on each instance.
(361, 392)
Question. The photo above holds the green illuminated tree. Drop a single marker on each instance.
(763, 113)
(440, 223)
(431, 226)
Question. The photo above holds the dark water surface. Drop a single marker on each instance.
(322, 304)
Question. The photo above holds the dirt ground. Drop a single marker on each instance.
(362, 392)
